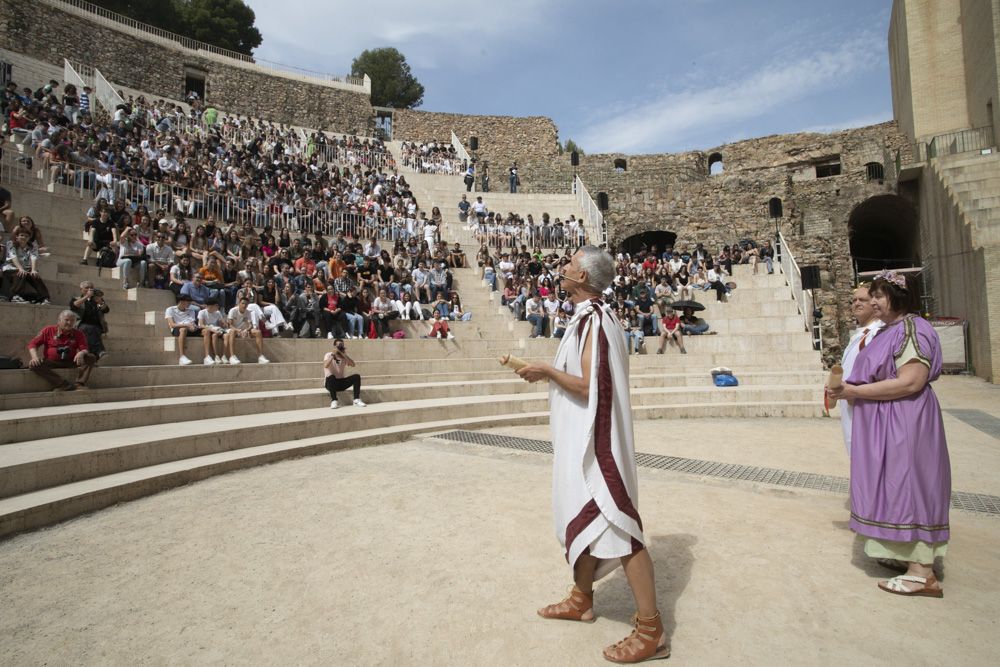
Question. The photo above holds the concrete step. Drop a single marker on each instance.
(44, 507)
(206, 385)
(132, 351)
(42, 423)
(251, 374)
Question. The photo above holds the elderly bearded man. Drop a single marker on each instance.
(594, 484)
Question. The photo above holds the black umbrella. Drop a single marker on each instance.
(687, 303)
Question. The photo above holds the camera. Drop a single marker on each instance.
(63, 352)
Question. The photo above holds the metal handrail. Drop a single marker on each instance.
(963, 141)
(118, 21)
(460, 148)
(591, 213)
(803, 298)
(105, 93)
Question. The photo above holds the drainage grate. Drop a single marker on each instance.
(960, 500)
(978, 420)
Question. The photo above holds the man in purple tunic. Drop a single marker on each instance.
(900, 470)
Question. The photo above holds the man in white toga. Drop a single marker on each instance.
(594, 481)
(868, 326)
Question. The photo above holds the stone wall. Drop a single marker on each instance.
(43, 32)
(502, 139)
(676, 193)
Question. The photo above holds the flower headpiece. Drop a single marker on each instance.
(897, 279)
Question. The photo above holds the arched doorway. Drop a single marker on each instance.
(646, 240)
(884, 234)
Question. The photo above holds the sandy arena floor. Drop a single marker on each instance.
(432, 552)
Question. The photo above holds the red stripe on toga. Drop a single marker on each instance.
(602, 432)
(589, 512)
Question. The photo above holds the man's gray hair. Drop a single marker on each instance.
(598, 265)
(69, 313)
(86, 284)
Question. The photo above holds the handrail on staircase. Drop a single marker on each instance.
(591, 213)
(459, 148)
(803, 298)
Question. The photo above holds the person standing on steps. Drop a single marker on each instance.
(514, 180)
(868, 326)
(334, 363)
(595, 484)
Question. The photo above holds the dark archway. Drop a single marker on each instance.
(646, 240)
(715, 165)
(884, 233)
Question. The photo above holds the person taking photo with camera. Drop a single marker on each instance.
(334, 364)
(91, 308)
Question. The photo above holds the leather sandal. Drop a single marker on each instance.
(574, 607)
(897, 587)
(648, 641)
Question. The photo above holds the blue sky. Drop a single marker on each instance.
(638, 76)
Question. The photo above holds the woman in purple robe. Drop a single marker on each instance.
(900, 471)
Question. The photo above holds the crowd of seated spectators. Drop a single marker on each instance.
(432, 157)
(647, 294)
(296, 285)
(512, 231)
(159, 156)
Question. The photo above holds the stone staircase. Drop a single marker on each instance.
(968, 233)
(147, 424)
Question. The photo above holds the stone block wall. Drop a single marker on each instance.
(41, 31)
(502, 139)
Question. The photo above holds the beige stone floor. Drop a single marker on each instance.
(428, 552)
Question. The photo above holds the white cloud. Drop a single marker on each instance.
(670, 118)
(311, 33)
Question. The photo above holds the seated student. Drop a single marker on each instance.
(456, 257)
(670, 330)
(408, 309)
(20, 281)
(691, 324)
(214, 328)
(383, 311)
(439, 327)
(183, 322)
(241, 322)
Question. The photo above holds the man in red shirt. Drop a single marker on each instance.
(305, 264)
(61, 346)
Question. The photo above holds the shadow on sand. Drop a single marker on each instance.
(672, 561)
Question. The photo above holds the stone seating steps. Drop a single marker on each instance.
(204, 384)
(53, 479)
(33, 424)
(42, 507)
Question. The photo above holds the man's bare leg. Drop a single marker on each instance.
(639, 572)
(649, 639)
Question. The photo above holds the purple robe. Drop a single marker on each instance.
(900, 471)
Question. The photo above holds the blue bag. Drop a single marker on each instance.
(726, 380)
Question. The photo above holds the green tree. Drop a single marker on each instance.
(393, 84)
(571, 146)
(228, 24)
(163, 14)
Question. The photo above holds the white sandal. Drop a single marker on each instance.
(896, 586)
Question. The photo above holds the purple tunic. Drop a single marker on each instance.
(900, 471)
